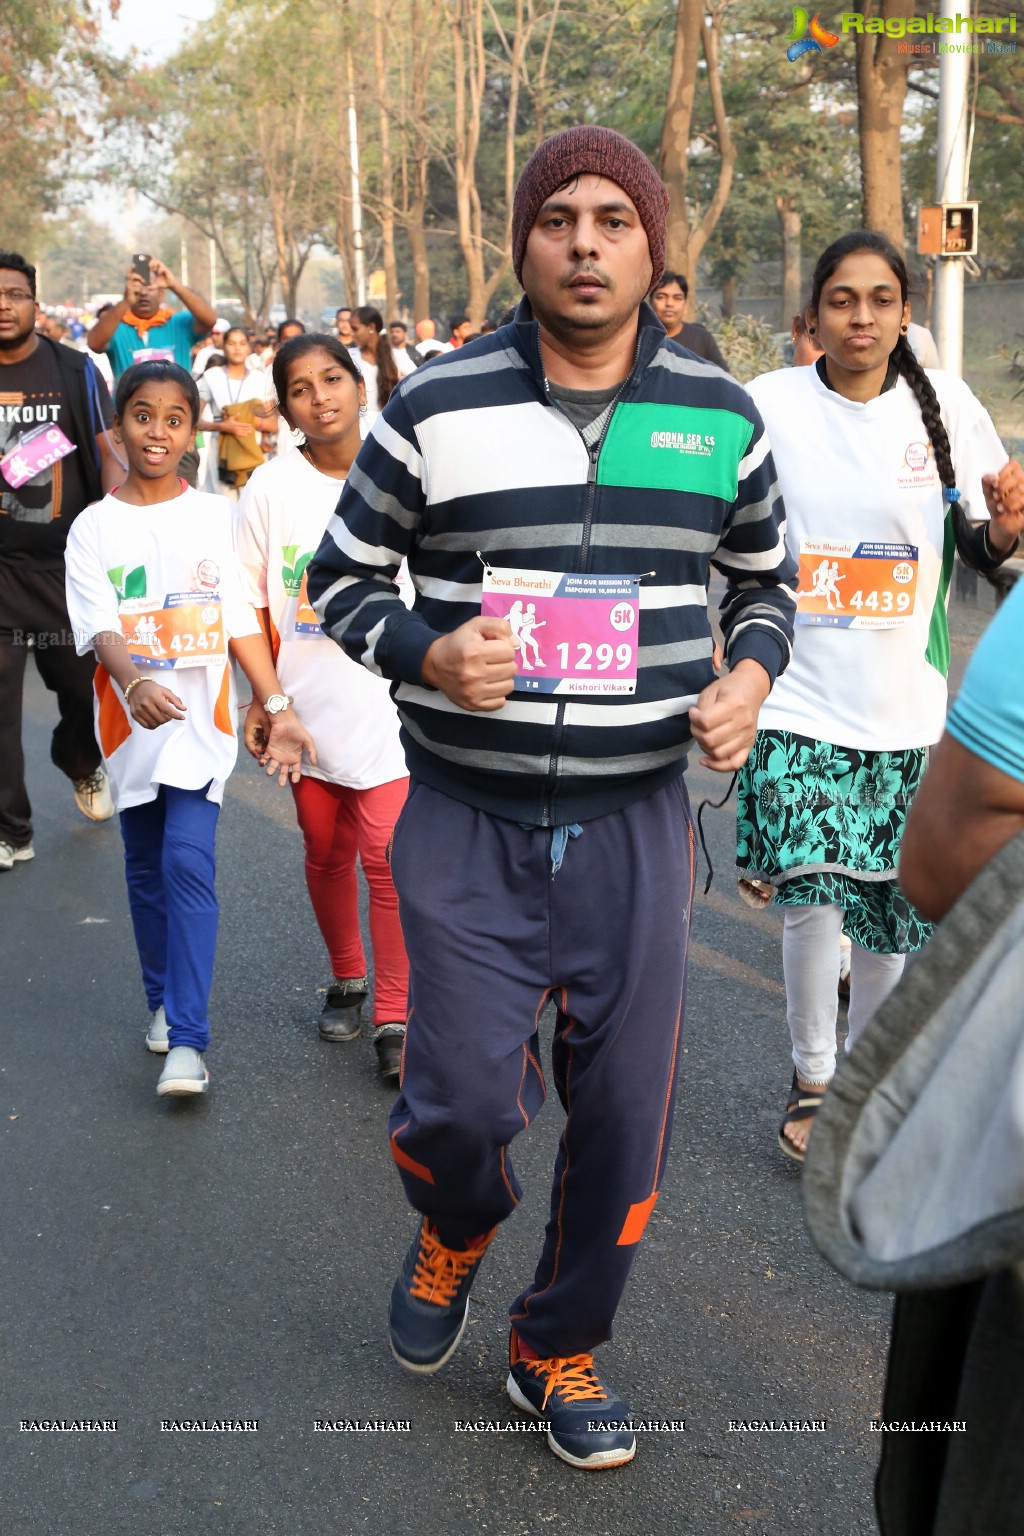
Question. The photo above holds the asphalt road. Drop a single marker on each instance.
(232, 1258)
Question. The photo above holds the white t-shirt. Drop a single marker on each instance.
(217, 389)
(863, 474)
(279, 523)
(404, 365)
(119, 553)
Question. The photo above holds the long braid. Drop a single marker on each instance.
(928, 401)
(964, 537)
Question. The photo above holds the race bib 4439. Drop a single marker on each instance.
(856, 586)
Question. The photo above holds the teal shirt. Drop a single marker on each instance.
(988, 716)
(180, 334)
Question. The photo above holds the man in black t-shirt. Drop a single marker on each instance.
(44, 389)
(669, 300)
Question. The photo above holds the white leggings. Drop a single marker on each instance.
(810, 963)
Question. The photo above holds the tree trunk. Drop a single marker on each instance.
(789, 225)
(469, 64)
(729, 288)
(700, 236)
(675, 132)
(881, 88)
(415, 216)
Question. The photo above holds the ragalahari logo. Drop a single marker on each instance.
(818, 41)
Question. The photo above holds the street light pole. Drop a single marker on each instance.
(357, 206)
(951, 187)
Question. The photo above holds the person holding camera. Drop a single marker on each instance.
(140, 327)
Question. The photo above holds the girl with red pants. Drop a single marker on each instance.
(348, 804)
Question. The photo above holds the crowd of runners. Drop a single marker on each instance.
(466, 585)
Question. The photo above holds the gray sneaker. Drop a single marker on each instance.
(158, 1034)
(184, 1072)
(10, 856)
(340, 1017)
(92, 796)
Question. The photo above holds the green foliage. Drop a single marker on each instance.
(747, 343)
(51, 71)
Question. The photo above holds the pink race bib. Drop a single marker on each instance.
(35, 452)
(572, 634)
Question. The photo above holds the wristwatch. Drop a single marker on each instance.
(277, 703)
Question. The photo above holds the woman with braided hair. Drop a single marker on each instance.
(887, 471)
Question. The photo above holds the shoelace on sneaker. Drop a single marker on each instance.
(572, 1377)
(439, 1270)
(92, 784)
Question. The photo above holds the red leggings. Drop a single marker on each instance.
(337, 823)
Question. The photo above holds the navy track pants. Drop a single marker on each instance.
(492, 935)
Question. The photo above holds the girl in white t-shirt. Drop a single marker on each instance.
(380, 366)
(152, 588)
(240, 380)
(347, 803)
(875, 458)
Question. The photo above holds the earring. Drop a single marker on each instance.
(362, 410)
(903, 328)
(811, 330)
(117, 437)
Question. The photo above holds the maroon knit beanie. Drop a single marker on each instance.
(587, 151)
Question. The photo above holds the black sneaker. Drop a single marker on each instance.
(388, 1042)
(340, 1016)
(430, 1299)
(587, 1426)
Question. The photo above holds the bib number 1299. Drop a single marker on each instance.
(593, 658)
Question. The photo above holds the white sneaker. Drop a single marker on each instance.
(92, 796)
(158, 1035)
(10, 856)
(184, 1072)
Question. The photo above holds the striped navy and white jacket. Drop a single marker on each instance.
(472, 454)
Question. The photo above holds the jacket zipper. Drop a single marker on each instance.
(582, 557)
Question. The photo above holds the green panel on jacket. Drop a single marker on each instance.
(674, 448)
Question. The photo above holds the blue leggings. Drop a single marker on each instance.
(169, 866)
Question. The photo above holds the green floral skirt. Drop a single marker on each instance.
(823, 825)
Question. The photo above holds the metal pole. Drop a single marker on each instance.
(951, 187)
(357, 207)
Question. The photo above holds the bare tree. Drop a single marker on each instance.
(698, 27)
(470, 75)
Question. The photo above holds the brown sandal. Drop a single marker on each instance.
(803, 1104)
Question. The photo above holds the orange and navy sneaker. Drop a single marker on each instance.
(587, 1426)
(430, 1299)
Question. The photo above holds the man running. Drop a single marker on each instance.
(546, 849)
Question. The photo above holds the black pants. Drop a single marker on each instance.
(32, 603)
(956, 1357)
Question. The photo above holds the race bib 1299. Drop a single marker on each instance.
(573, 634)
